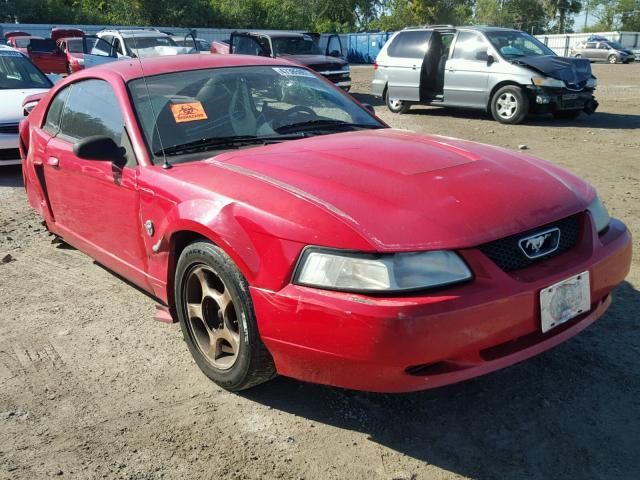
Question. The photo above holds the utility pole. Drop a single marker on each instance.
(586, 15)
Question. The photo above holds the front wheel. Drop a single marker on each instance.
(395, 105)
(509, 105)
(217, 318)
(612, 59)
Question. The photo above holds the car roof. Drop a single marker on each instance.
(136, 32)
(274, 33)
(130, 69)
(478, 28)
(7, 48)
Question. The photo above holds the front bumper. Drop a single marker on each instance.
(417, 342)
(9, 152)
(547, 100)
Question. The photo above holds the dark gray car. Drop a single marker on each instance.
(602, 51)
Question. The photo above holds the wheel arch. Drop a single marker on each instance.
(498, 86)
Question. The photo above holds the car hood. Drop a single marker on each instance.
(317, 62)
(11, 110)
(404, 191)
(573, 71)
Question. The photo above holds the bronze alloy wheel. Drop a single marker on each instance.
(211, 317)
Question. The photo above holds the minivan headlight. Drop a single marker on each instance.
(592, 82)
(599, 214)
(366, 272)
(547, 82)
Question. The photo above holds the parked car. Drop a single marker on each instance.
(73, 49)
(506, 72)
(142, 42)
(298, 234)
(298, 47)
(19, 78)
(602, 51)
(21, 42)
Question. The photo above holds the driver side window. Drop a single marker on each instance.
(92, 109)
(468, 46)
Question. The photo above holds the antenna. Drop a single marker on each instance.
(165, 164)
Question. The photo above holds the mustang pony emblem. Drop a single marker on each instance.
(536, 243)
(541, 243)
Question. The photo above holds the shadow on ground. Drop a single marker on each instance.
(615, 121)
(11, 176)
(545, 418)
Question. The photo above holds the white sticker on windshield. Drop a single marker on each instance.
(293, 72)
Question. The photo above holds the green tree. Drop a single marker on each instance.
(521, 14)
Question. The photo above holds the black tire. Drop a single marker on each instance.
(567, 114)
(252, 364)
(612, 59)
(509, 105)
(396, 106)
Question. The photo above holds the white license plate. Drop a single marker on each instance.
(564, 300)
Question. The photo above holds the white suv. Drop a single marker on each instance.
(142, 42)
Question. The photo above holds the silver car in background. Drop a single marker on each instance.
(503, 71)
(602, 50)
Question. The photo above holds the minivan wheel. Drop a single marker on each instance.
(613, 59)
(395, 105)
(217, 318)
(509, 105)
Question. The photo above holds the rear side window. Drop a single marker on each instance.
(411, 44)
(468, 44)
(52, 122)
(92, 109)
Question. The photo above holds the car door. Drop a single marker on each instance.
(602, 51)
(95, 203)
(590, 51)
(403, 64)
(467, 71)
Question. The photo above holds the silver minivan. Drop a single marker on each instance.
(503, 71)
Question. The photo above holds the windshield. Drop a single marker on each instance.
(18, 72)
(295, 46)
(140, 42)
(204, 108)
(517, 44)
(615, 45)
(75, 46)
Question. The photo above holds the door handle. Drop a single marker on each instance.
(414, 67)
(53, 162)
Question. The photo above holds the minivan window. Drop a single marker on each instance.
(92, 109)
(410, 44)
(468, 44)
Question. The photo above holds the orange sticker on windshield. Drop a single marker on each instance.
(188, 112)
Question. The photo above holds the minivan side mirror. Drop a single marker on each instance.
(100, 147)
(334, 53)
(485, 56)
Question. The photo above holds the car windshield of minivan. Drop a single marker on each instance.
(18, 72)
(517, 44)
(186, 115)
(295, 46)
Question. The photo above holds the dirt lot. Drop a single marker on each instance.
(92, 387)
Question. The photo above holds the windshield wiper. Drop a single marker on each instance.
(322, 124)
(234, 141)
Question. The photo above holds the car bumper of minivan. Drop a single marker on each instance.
(545, 100)
(377, 87)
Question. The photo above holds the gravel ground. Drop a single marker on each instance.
(92, 387)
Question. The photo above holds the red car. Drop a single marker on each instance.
(73, 49)
(291, 231)
(20, 41)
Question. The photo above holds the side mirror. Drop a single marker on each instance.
(100, 147)
(335, 53)
(490, 59)
(369, 108)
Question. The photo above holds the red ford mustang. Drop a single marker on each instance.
(290, 231)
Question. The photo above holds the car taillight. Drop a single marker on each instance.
(375, 65)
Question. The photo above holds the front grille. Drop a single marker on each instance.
(9, 154)
(8, 128)
(506, 253)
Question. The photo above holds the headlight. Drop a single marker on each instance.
(547, 82)
(363, 272)
(592, 82)
(599, 214)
